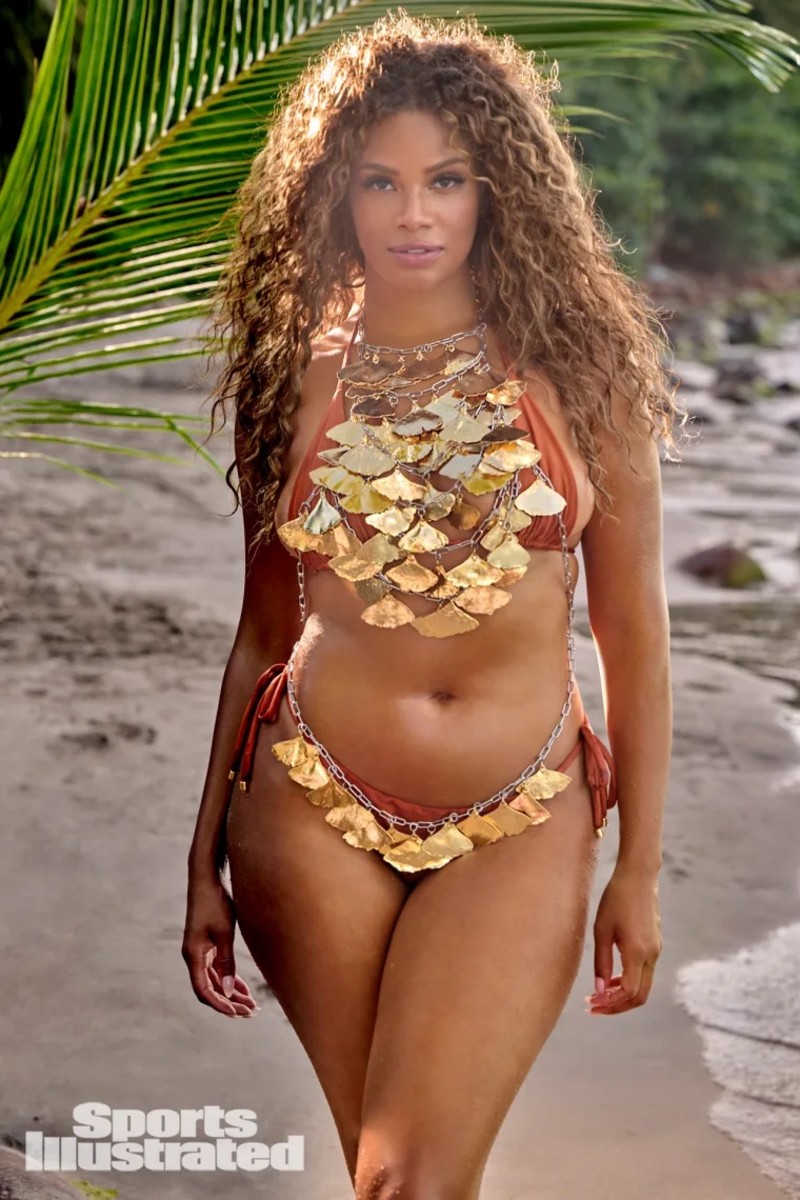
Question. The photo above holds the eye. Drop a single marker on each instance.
(384, 179)
(455, 179)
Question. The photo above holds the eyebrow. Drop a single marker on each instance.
(429, 170)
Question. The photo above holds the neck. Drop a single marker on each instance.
(408, 318)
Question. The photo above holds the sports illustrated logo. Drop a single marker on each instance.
(129, 1139)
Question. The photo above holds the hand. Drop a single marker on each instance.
(628, 915)
(208, 950)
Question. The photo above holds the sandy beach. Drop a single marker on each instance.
(118, 610)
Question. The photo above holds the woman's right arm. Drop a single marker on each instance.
(268, 627)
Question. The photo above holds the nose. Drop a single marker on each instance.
(413, 210)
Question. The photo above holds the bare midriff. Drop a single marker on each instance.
(443, 722)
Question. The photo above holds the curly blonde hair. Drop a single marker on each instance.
(543, 261)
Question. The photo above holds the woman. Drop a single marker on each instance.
(442, 384)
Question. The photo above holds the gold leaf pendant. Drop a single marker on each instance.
(348, 433)
(478, 484)
(412, 576)
(370, 590)
(388, 613)
(339, 540)
(540, 500)
(464, 515)
(464, 429)
(509, 554)
(483, 600)
(423, 537)
(531, 808)
(397, 487)
(507, 393)
(544, 783)
(445, 622)
(511, 456)
(295, 536)
(393, 521)
(322, 517)
(367, 460)
(417, 422)
(474, 572)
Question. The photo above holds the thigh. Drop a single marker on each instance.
(480, 965)
(317, 915)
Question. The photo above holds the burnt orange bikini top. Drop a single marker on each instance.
(543, 532)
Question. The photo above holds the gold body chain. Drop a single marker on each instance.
(381, 467)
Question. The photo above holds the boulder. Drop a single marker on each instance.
(18, 1183)
(725, 565)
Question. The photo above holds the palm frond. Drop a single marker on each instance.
(112, 210)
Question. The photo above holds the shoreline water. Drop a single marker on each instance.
(747, 1004)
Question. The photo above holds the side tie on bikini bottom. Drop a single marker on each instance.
(363, 828)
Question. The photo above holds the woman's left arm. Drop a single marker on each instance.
(629, 619)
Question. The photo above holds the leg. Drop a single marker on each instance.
(481, 962)
(317, 916)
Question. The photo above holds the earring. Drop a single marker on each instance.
(476, 285)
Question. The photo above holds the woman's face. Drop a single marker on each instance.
(410, 188)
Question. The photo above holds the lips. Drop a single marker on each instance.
(416, 254)
(415, 248)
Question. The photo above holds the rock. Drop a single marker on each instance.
(18, 1183)
(789, 336)
(749, 327)
(781, 369)
(725, 565)
(698, 334)
(741, 378)
(694, 376)
(783, 411)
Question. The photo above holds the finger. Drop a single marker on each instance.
(632, 967)
(617, 1010)
(239, 995)
(603, 960)
(213, 975)
(648, 974)
(224, 964)
(629, 984)
(241, 985)
(610, 984)
(241, 990)
(203, 987)
(619, 1001)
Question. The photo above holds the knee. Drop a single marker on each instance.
(392, 1168)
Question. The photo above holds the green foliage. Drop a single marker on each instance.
(112, 209)
(93, 1192)
(702, 166)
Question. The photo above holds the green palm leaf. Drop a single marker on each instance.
(112, 209)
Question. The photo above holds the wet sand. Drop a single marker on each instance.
(118, 610)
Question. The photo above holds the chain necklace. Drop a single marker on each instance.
(381, 467)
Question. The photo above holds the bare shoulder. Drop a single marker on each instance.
(320, 376)
(541, 382)
(548, 399)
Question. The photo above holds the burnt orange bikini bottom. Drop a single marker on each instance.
(409, 836)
